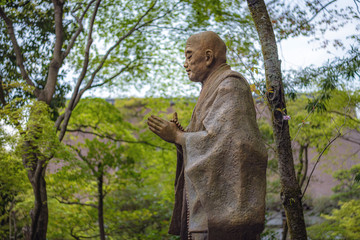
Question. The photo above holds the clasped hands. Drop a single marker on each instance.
(166, 130)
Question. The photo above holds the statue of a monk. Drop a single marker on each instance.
(220, 180)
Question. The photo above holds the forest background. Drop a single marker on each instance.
(83, 168)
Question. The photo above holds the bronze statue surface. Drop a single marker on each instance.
(220, 181)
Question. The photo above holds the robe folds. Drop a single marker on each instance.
(220, 180)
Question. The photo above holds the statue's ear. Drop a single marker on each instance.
(209, 54)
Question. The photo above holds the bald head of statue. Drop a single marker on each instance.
(204, 53)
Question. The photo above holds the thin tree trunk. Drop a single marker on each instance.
(285, 227)
(9, 225)
(301, 163)
(290, 192)
(101, 207)
(39, 215)
(14, 218)
(306, 165)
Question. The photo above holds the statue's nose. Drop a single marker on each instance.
(185, 64)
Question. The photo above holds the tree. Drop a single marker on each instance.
(12, 185)
(137, 180)
(291, 193)
(313, 20)
(348, 188)
(337, 74)
(61, 24)
(101, 152)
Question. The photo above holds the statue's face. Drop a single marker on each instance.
(195, 60)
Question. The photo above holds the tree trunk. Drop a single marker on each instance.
(306, 164)
(301, 163)
(290, 192)
(101, 207)
(285, 226)
(15, 226)
(39, 214)
(35, 163)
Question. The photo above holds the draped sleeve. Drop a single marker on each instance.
(225, 161)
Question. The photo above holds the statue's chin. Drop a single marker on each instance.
(193, 79)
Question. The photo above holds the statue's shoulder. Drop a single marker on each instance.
(230, 77)
(230, 73)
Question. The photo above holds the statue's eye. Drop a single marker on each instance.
(189, 57)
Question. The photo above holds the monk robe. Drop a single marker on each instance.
(220, 180)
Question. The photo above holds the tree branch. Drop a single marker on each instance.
(2, 95)
(346, 115)
(114, 76)
(83, 230)
(104, 58)
(318, 11)
(357, 6)
(350, 140)
(57, 60)
(78, 31)
(72, 104)
(59, 121)
(114, 139)
(318, 160)
(75, 203)
(73, 234)
(82, 157)
(64, 120)
(303, 178)
(17, 50)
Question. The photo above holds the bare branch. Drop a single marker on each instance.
(318, 160)
(328, 144)
(346, 115)
(357, 6)
(117, 43)
(94, 236)
(72, 102)
(78, 94)
(2, 95)
(318, 11)
(17, 50)
(114, 76)
(350, 140)
(59, 121)
(107, 136)
(303, 178)
(78, 31)
(73, 234)
(75, 203)
(80, 237)
(82, 157)
(293, 141)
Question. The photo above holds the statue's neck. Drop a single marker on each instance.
(216, 72)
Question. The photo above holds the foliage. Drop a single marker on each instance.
(313, 20)
(342, 223)
(35, 21)
(316, 128)
(13, 185)
(347, 188)
(308, 18)
(337, 74)
(138, 168)
(45, 36)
